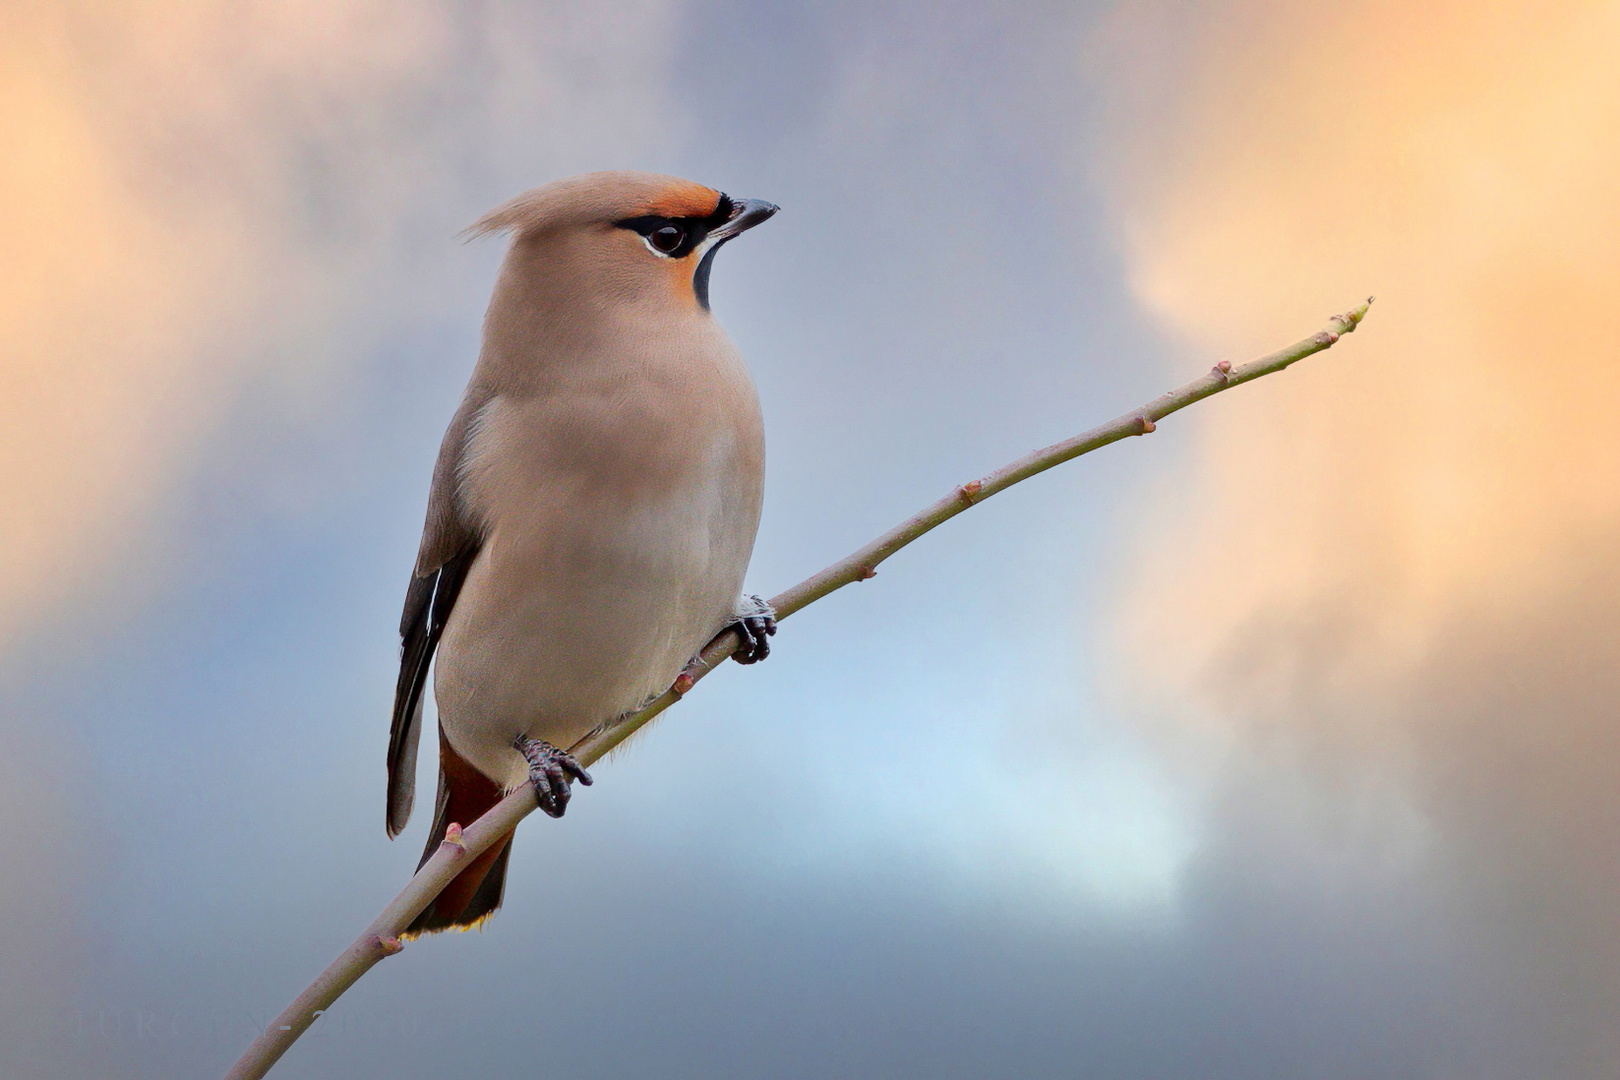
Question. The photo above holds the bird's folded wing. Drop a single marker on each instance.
(450, 543)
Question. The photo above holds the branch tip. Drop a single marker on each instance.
(1352, 318)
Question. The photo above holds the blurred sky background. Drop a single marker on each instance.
(1279, 744)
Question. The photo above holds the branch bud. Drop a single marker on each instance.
(1147, 425)
(389, 945)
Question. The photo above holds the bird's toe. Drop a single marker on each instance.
(550, 773)
(754, 631)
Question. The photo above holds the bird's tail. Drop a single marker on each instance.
(475, 893)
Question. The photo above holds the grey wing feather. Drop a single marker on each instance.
(449, 545)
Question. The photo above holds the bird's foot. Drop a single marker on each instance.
(755, 625)
(550, 771)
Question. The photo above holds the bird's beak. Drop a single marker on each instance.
(745, 214)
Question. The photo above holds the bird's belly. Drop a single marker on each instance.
(558, 630)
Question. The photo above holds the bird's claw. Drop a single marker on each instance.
(550, 772)
(754, 626)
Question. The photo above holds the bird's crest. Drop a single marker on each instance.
(597, 197)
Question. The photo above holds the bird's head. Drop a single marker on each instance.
(630, 232)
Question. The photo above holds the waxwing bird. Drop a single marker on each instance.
(593, 507)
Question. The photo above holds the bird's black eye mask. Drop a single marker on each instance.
(676, 237)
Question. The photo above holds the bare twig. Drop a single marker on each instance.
(381, 938)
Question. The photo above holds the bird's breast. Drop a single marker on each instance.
(658, 439)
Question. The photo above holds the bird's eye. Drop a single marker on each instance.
(667, 239)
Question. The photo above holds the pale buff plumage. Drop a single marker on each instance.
(599, 486)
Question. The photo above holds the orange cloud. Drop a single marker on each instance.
(192, 192)
(122, 292)
(1395, 565)
(1459, 160)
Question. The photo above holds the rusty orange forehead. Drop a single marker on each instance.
(684, 199)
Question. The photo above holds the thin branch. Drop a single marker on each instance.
(381, 938)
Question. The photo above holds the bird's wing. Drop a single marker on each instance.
(450, 542)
